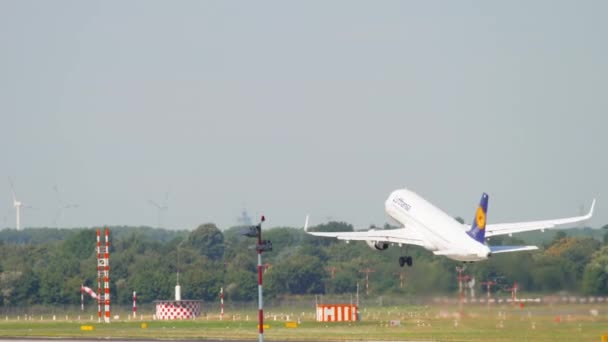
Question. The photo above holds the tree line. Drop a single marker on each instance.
(48, 266)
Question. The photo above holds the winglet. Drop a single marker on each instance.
(306, 224)
(591, 209)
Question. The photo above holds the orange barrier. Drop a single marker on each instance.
(337, 312)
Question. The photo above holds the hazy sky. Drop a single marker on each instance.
(287, 108)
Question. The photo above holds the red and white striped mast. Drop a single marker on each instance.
(221, 303)
(262, 246)
(134, 304)
(103, 272)
(260, 272)
(99, 275)
(106, 279)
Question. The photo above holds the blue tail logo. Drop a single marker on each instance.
(478, 228)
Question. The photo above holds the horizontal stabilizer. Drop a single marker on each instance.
(508, 249)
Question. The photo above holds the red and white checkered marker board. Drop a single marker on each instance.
(183, 309)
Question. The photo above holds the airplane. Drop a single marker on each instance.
(427, 226)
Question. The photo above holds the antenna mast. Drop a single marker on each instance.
(103, 272)
(367, 271)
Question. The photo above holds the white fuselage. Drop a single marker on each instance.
(440, 232)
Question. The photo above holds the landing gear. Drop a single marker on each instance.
(405, 260)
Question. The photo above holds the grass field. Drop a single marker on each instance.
(438, 323)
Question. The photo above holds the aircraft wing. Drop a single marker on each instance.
(518, 227)
(400, 235)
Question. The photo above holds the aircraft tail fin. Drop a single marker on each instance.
(478, 228)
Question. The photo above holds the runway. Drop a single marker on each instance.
(46, 339)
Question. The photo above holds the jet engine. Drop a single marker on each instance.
(377, 245)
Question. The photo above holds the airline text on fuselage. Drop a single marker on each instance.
(400, 202)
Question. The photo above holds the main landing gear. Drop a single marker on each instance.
(405, 260)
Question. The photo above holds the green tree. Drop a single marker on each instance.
(80, 244)
(301, 275)
(208, 240)
(595, 277)
(240, 279)
(434, 276)
(203, 280)
(26, 290)
(151, 285)
(561, 266)
(241, 285)
(344, 281)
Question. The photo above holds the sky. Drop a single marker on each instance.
(293, 108)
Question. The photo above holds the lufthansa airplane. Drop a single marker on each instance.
(428, 226)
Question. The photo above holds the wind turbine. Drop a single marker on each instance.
(160, 208)
(17, 204)
(62, 206)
